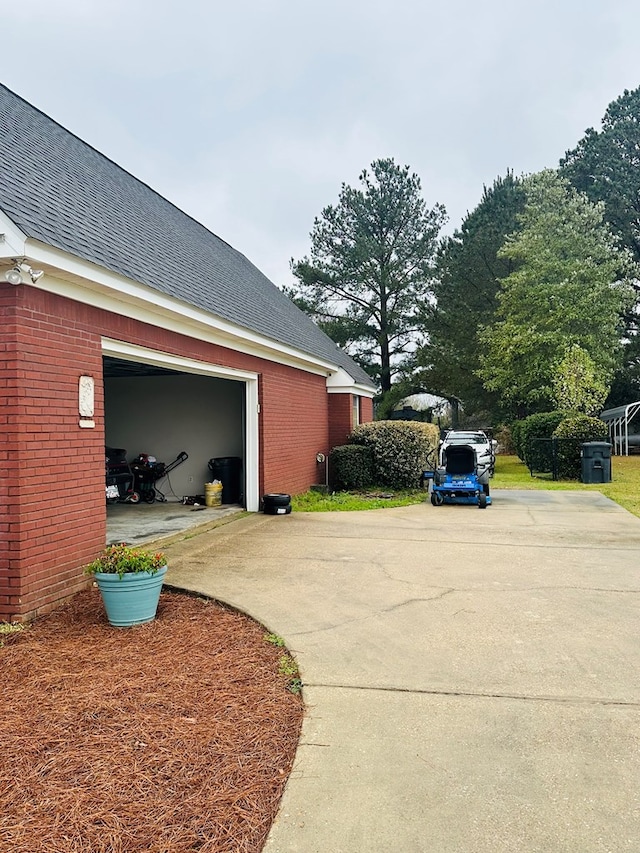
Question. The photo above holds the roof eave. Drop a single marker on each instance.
(342, 382)
(91, 284)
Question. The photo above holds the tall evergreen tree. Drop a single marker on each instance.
(465, 296)
(371, 267)
(605, 166)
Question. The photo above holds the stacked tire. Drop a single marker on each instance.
(276, 503)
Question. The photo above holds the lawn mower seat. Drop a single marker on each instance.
(460, 459)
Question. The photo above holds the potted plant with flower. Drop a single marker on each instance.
(130, 581)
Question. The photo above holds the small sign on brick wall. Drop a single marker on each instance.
(86, 401)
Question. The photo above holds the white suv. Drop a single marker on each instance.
(484, 447)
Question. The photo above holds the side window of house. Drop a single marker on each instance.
(355, 413)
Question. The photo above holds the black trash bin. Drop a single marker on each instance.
(596, 462)
(228, 469)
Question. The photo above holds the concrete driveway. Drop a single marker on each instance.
(472, 678)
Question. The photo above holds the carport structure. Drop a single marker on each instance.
(617, 421)
(124, 322)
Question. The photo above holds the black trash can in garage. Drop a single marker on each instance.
(228, 469)
(596, 462)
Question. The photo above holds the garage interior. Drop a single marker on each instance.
(164, 412)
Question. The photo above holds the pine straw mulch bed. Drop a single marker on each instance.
(177, 735)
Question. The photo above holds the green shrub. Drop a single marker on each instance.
(583, 427)
(351, 466)
(573, 432)
(401, 450)
(540, 425)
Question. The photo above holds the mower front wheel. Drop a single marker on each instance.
(482, 500)
(436, 499)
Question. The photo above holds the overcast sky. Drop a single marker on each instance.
(250, 114)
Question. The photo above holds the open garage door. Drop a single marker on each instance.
(163, 405)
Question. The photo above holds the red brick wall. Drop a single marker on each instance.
(294, 429)
(51, 471)
(52, 507)
(366, 410)
(341, 416)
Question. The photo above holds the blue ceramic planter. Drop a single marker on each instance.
(131, 599)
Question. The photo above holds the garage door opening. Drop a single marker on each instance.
(164, 407)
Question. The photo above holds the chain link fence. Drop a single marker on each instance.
(559, 457)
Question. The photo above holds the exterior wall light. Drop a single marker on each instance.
(13, 276)
(34, 275)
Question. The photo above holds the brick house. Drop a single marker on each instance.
(127, 323)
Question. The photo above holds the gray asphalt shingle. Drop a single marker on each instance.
(62, 192)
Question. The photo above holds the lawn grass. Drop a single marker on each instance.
(350, 501)
(624, 489)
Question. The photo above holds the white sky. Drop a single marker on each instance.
(250, 114)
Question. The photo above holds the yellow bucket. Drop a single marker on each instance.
(213, 494)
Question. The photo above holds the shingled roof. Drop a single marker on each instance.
(62, 192)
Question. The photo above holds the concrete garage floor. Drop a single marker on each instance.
(137, 524)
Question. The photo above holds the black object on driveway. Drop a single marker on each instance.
(276, 503)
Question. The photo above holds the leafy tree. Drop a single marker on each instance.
(371, 267)
(564, 290)
(465, 296)
(577, 387)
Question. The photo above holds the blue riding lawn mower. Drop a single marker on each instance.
(459, 479)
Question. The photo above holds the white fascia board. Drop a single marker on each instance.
(353, 388)
(12, 242)
(341, 382)
(91, 284)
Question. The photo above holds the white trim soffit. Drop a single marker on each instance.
(341, 382)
